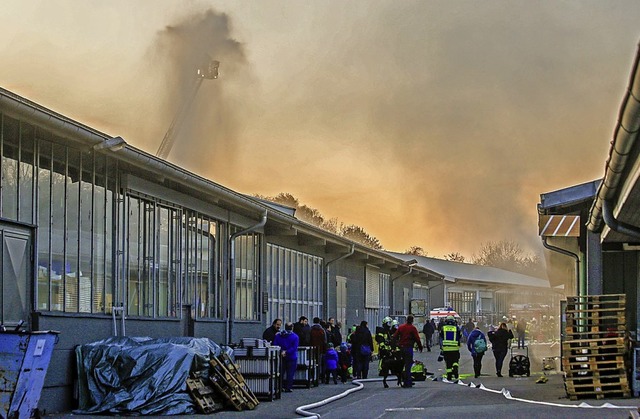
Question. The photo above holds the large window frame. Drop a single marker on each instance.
(293, 283)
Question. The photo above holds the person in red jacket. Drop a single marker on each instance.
(407, 336)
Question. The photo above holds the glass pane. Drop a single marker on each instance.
(25, 188)
(9, 166)
(44, 225)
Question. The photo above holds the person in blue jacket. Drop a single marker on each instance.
(331, 364)
(477, 349)
(288, 343)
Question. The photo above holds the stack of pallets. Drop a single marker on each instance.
(226, 378)
(222, 385)
(260, 366)
(594, 353)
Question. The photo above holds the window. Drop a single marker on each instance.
(246, 275)
(65, 193)
(294, 283)
(172, 261)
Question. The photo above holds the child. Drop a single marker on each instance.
(344, 361)
(331, 364)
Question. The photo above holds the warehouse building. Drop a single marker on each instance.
(100, 238)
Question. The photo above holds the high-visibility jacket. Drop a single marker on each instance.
(450, 338)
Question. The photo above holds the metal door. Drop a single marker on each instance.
(16, 279)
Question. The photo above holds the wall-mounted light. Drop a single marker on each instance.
(411, 262)
(113, 144)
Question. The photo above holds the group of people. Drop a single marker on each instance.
(452, 336)
(342, 357)
(336, 357)
(392, 339)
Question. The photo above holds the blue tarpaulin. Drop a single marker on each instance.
(144, 376)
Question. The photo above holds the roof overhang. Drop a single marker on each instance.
(614, 213)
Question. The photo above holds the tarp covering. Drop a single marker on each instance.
(143, 376)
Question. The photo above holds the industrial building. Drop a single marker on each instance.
(592, 230)
(100, 238)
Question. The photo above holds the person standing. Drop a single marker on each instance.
(333, 333)
(477, 345)
(303, 330)
(288, 343)
(270, 332)
(428, 329)
(331, 364)
(450, 336)
(361, 349)
(500, 344)
(318, 339)
(407, 337)
(521, 329)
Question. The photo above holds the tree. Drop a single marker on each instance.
(509, 256)
(358, 235)
(454, 257)
(313, 216)
(415, 251)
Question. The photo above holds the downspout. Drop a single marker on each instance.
(615, 225)
(581, 287)
(325, 293)
(231, 289)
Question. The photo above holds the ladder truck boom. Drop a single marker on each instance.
(210, 71)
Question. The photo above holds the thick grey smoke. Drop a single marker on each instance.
(207, 137)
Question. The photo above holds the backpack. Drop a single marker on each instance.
(480, 345)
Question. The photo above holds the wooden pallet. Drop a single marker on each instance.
(237, 392)
(597, 388)
(596, 300)
(206, 398)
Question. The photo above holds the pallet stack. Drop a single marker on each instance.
(226, 378)
(594, 353)
(260, 366)
(222, 386)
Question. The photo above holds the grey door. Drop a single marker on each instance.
(15, 282)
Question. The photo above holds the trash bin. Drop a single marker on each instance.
(24, 359)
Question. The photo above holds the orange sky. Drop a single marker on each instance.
(429, 123)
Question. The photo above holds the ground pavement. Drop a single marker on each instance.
(487, 396)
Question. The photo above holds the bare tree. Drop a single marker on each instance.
(509, 256)
(313, 216)
(358, 235)
(415, 251)
(454, 257)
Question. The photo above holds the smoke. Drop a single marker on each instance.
(206, 141)
(432, 124)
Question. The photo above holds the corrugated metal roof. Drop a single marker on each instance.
(454, 271)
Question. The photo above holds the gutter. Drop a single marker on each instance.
(326, 282)
(616, 225)
(231, 289)
(624, 139)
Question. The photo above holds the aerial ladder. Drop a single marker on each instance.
(208, 71)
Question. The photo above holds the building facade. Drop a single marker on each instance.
(100, 239)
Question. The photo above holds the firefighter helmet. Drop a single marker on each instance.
(386, 320)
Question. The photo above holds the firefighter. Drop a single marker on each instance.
(450, 346)
(383, 338)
